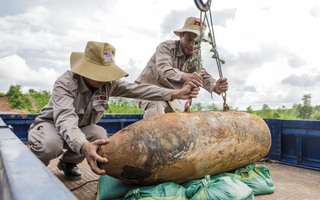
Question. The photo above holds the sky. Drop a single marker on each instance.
(270, 47)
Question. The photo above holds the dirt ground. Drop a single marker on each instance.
(5, 107)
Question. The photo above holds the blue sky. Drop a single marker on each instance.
(270, 47)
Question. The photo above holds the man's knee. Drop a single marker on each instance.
(45, 148)
(155, 108)
(94, 132)
(152, 112)
(101, 132)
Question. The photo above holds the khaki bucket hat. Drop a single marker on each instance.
(192, 24)
(97, 62)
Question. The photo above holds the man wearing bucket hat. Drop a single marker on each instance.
(77, 103)
(169, 67)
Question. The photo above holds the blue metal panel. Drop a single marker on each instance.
(20, 124)
(299, 142)
(275, 130)
(293, 142)
(23, 176)
(112, 123)
(18, 164)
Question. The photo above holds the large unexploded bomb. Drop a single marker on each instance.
(184, 146)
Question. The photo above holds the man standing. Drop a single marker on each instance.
(171, 67)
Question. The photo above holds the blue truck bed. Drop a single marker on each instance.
(294, 142)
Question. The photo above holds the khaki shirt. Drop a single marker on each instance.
(73, 105)
(167, 65)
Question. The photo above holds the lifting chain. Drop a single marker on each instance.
(205, 8)
(195, 62)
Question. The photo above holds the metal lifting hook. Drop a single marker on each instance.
(204, 7)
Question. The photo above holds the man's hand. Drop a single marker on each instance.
(89, 149)
(221, 85)
(194, 80)
(185, 93)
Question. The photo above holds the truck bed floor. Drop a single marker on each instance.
(291, 183)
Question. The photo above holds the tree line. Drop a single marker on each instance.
(120, 105)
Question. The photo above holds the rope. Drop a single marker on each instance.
(83, 184)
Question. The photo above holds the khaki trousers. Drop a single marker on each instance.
(151, 108)
(47, 144)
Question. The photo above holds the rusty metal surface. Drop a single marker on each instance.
(183, 146)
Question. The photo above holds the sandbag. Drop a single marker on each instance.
(219, 187)
(110, 188)
(167, 191)
(257, 178)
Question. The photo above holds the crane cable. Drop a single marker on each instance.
(204, 9)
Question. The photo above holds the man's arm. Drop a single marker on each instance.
(165, 64)
(65, 117)
(194, 80)
(121, 88)
(185, 93)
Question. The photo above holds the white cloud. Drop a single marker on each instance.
(269, 46)
(14, 71)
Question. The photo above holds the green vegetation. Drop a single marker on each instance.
(198, 107)
(40, 99)
(120, 105)
(2, 94)
(280, 113)
(18, 100)
(298, 111)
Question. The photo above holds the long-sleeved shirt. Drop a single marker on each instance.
(72, 104)
(167, 66)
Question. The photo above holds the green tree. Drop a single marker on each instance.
(40, 99)
(18, 100)
(315, 113)
(196, 107)
(276, 115)
(266, 111)
(305, 110)
(121, 105)
(212, 107)
(121, 101)
(249, 109)
(265, 107)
